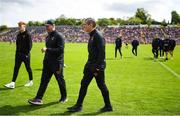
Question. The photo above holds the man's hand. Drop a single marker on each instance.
(96, 73)
(43, 49)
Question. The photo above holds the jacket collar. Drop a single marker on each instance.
(92, 32)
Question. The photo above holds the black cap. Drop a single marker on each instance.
(49, 22)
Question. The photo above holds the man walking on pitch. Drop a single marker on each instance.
(118, 45)
(135, 44)
(172, 45)
(95, 67)
(23, 48)
(155, 47)
(53, 64)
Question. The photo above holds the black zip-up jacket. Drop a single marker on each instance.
(161, 43)
(23, 43)
(166, 43)
(135, 43)
(118, 42)
(172, 43)
(96, 50)
(155, 43)
(55, 47)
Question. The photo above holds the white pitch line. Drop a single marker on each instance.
(169, 69)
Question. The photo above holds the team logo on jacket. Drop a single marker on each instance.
(91, 39)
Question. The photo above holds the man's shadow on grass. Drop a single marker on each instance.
(148, 58)
(38, 69)
(152, 59)
(110, 59)
(128, 57)
(70, 113)
(8, 89)
(93, 113)
(118, 58)
(15, 110)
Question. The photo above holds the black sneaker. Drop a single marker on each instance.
(75, 108)
(106, 109)
(35, 101)
(63, 100)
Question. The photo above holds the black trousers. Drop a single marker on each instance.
(134, 50)
(119, 49)
(100, 80)
(155, 52)
(161, 52)
(19, 58)
(50, 68)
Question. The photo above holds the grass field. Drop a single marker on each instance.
(137, 85)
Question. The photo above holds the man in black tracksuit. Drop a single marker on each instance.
(135, 44)
(155, 47)
(166, 47)
(53, 64)
(118, 43)
(172, 44)
(23, 48)
(161, 42)
(94, 67)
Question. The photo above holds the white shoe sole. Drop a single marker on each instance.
(64, 101)
(9, 87)
(28, 85)
(33, 103)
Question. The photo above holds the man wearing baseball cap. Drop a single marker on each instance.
(23, 48)
(53, 64)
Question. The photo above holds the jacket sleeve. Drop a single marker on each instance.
(17, 43)
(60, 45)
(30, 42)
(100, 42)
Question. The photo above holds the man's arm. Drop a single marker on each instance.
(30, 42)
(101, 50)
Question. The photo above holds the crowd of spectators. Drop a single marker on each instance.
(74, 34)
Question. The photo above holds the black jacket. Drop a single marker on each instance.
(96, 50)
(135, 43)
(155, 43)
(55, 47)
(23, 43)
(166, 43)
(118, 42)
(161, 43)
(172, 43)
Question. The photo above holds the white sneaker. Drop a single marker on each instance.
(10, 85)
(28, 84)
(155, 59)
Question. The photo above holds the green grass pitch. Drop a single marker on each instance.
(137, 85)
